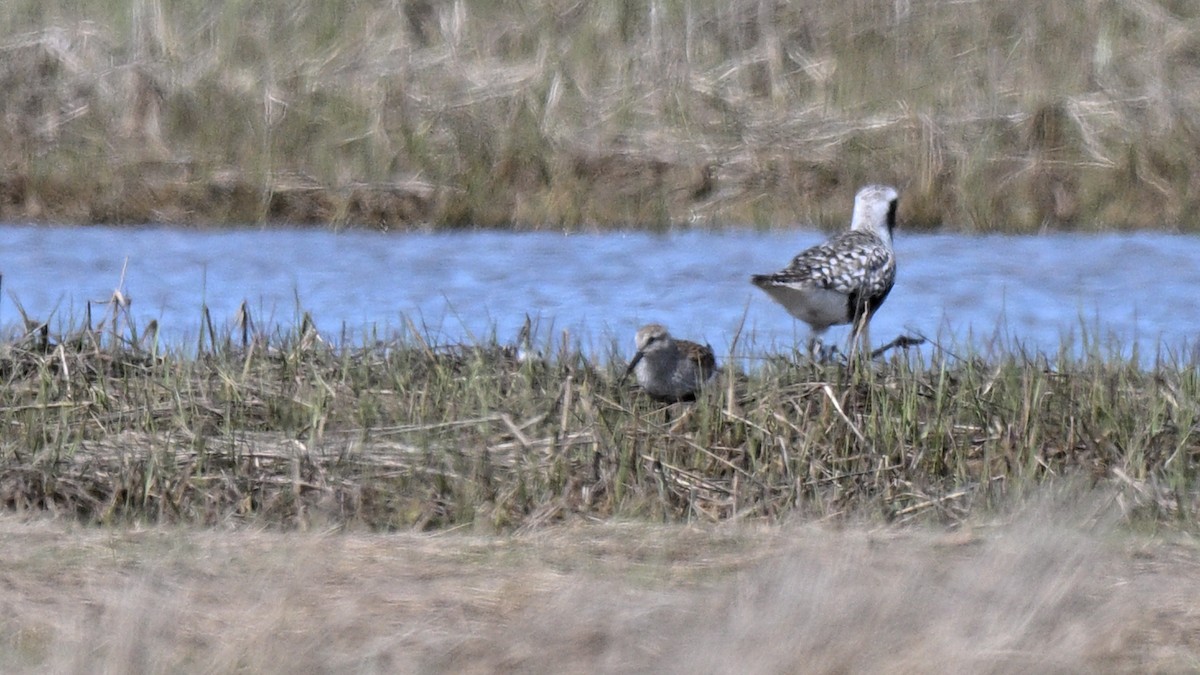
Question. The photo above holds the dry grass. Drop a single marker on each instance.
(1053, 586)
(409, 507)
(107, 425)
(1013, 116)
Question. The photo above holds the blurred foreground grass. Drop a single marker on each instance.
(1049, 585)
(107, 425)
(1008, 115)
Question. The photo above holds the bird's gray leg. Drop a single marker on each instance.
(818, 351)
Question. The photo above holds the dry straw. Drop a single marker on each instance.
(991, 116)
(291, 429)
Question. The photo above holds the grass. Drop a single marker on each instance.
(1011, 116)
(286, 502)
(1050, 585)
(107, 425)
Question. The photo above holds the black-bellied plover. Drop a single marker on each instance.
(670, 369)
(846, 279)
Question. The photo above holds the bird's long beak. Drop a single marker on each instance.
(632, 364)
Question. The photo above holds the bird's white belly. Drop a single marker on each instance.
(818, 307)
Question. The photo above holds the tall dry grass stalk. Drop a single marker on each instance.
(1012, 116)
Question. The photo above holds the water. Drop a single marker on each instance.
(1128, 288)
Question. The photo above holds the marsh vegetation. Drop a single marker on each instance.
(419, 505)
(298, 430)
(990, 116)
(1050, 586)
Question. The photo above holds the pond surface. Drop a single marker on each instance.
(1128, 289)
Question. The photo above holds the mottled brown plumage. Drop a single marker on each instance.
(669, 369)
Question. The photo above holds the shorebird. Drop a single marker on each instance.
(670, 369)
(846, 279)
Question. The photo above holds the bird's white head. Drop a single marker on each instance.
(651, 334)
(651, 338)
(875, 211)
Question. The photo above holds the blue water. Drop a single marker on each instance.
(1132, 289)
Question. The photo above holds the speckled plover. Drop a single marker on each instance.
(846, 279)
(670, 369)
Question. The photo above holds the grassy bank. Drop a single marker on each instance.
(991, 116)
(108, 425)
(1053, 588)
